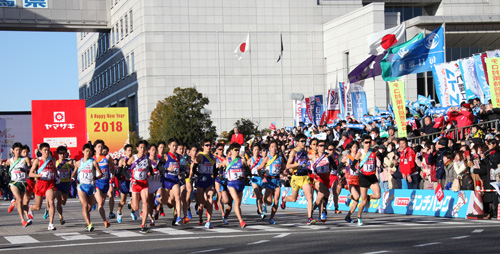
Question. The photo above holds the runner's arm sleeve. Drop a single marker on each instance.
(119, 171)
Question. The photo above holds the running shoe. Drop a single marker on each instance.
(162, 213)
(144, 230)
(89, 227)
(196, 208)
(258, 213)
(348, 219)
(264, 208)
(360, 222)
(51, 227)
(323, 217)
(272, 222)
(225, 221)
(46, 214)
(152, 223)
(119, 218)
(283, 203)
(216, 206)
(208, 225)
(25, 224)
(347, 201)
(30, 213)
(129, 205)
(157, 215)
(106, 224)
(157, 203)
(112, 215)
(185, 220)
(311, 221)
(62, 221)
(200, 223)
(189, 215)
(133, 215)
(178, 222)
(337, 211)
(11, 207)
(94, 206)
(243, 224)
(30, 221)
(262, 216)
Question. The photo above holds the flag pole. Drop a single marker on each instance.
(218, 84)
(444, 35)
(282, 89)
(251, 83)
(425, 77)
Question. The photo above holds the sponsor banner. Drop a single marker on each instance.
(333, 99)
(359, 103)
(298, 113)
(7, 3)
(318, 109)
(14, 127)
(408, 202)
(59, 122)
(309, 110)
(110, 125)
(342, 99)
(472, 86)
(303, 111)
(493, 69)
(481, 76)
(356, 126)
(397, 90)
(449, 84)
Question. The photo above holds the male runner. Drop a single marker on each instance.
(220, 184)
(102, 184)
(254, 164)
(320, 167)
(154, 182)
(204, 168)
(18, 169)
(335, 181)
(274, 165)
(124, 175)
(111, 190)
(171, 186)
(63, 167)
(183, 176)
(140, 170)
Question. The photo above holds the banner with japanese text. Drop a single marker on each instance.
(111, 126)
(59, 123)
(492, 67)
(318, 109)
(397, 89)
(449, 84)
(14, 127)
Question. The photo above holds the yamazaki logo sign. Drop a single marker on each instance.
(402, 201)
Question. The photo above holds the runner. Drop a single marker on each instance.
(154, 182)
(297, 166)
(184, 171)
(186, 196)
(320, 167)
(221, 184)
(352, 176)
(335, 182)
(254, 164)
(236, 174)
(43, 169)
(124, 175)
(87, 172)
(63, 167)
(30, 183)
(171, 188)
(204, 168)
(102, 185)
(367, 179)
(112, 177)
(18, 168)
(274, 164)
(161, 157)
(140, 170)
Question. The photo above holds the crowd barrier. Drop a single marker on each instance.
(457, 133)
(409, 202)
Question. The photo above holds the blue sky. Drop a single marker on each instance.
(37, 66)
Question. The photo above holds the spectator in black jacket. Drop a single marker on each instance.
(489, 113)
(428, 126)
(437, 159)
(489, 163)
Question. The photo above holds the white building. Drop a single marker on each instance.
(155, 46)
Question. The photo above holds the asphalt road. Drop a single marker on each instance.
(382, 233)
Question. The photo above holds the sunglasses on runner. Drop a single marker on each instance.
(206, 145)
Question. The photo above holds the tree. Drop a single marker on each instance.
(246, 127)
(180, 116)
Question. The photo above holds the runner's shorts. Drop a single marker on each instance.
(88, 189)
(272, 183)
(42, 186)
(154, 184)
(204, 182)
(30, 185)
(64, 187)
(237, 185)
(298, 181)
(366, 181)
(333, 179)
(139, 185)
(102, 185)
(257, 180)
(20, 186)
(169, 181)
(124, 187)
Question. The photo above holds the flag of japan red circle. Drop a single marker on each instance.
(243, 47)
(388, 40)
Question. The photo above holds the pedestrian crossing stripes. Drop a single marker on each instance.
(122, 233)
(72, 236)
(19, 239)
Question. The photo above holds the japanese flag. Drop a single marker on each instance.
(381, 41)
(242, 48)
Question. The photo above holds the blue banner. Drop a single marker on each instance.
(359, 104)
(408, 202)
(426, 101)
(356, 126)
(318, 109)
(341, 100)
(439, 111)
(481, 76)
(472, 87)
(415, 57)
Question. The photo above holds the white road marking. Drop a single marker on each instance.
(73, 236)
(426, 244)
(172, 231)
(313, 227)
(258, 242)
(122, 233)
(377, 252)
(205, 251)
(267, 228)
(460, 237)
(221, 230)
(19, 239)
(478, 231)
(282, 235)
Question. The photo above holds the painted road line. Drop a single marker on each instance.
(19, 239)
(72, 236)
(377, 252)
(172, 231)
(122, 233)
(460, 237)
(258, 242)
(313, 227)
(282, 235)
(205, 251)
(426, 244)
(220, 230)
(478, 231)
(267, 228)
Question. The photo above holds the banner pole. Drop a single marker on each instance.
(282, 91)
(425, 75)
(251, 83)
(218, 84)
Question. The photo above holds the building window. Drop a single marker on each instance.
(131, 21)
(112, 36)
(126, 24)
(121, 28)
(83, 66)
(406, 12)
(85, 59)
(124, 69)
(119, 71)
(117, 32)
(132, 64)
(114, 74)
(127, 62)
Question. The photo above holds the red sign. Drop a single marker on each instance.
(59, 122)
(401, 201)
(439, 193)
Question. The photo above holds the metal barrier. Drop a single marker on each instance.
(457, 133)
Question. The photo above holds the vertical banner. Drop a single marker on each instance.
(342, 100)
(110, 125)
(358, 99)
(298, 112)
(492, 67)
(397, 89)
(318, 109)
(59, 123)
(472, 86)
(303, 111)
(14, 127)
(333, 106)
(309, 117)
(348, 100)
(481, 76)
(449, 84)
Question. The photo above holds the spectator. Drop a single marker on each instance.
(390, 164)
(407, 165)
(449, 170)
(464, 117)
(237, 137)
(428, 126)
(437, 159)
(488, 164)
(488, 113)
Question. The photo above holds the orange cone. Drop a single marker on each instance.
(477, 208)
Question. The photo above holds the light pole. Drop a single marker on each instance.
(295, 97)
